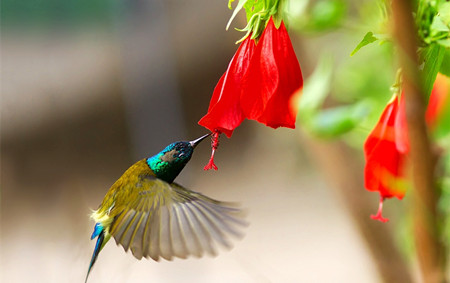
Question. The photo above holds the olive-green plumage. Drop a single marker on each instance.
(145, 211)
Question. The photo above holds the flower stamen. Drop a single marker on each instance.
(214, 146)
(378, 216)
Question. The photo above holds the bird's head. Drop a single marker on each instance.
(170, 161)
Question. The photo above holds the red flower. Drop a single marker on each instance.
(273, 76)
(225, 112)
(384, 160)
(387, 146)
(438, 100)
(259, 84)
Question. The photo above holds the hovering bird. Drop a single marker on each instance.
(145, 211)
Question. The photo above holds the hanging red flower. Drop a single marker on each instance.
(384, 160)
(225, 112)
(387, 146)
(272, 78)
(259, 84)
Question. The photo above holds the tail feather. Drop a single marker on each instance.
(100, 232)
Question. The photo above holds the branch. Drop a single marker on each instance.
(338, 163)
(430, 250)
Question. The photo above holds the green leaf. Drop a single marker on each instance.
(239, 7)
(439, 25)
(445, 66)
(432, 57)
(368, 38)
(435, 23)
(252, 7)
(331, 123)
(444, 12)
(444, 43)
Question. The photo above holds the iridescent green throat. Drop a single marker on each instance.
(165, 170)
(162, 169)
(170, 161)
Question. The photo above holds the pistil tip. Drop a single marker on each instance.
(379, 215)
(214, 146)
(210, 165)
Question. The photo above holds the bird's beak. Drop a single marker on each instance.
(194, 143)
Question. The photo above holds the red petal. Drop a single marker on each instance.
(438, 100)
(384, 162)
(384, 129)
(401, 128)
(274, 75)
(224, 112)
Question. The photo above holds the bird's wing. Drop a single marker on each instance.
(166, 220)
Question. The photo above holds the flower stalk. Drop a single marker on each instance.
(430, 249)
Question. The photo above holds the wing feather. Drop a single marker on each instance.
(136, 238)
(192, 242)
(165, 241)
(225, 221)
(212, 223)
(122, 227)
(177, 236)
(133, 225)
(167, 220)
(205, 239)
(155, 226)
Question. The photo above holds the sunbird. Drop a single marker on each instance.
(145, 211)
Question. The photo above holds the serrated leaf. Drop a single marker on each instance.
(239, 7)
(432, 57)
(368, 38)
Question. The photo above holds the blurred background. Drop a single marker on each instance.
(90, 87)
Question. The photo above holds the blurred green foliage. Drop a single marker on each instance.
(345, 96)
(333, 121)
(316, 16)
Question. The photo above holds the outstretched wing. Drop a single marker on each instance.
(167, 220)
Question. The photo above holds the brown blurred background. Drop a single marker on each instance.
(82, 102)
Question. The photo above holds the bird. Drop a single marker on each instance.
(146, 212)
